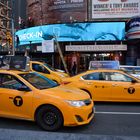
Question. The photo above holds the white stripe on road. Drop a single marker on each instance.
(118, 113)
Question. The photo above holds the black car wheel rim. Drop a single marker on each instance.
(50, 118)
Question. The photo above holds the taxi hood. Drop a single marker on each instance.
(68, 93)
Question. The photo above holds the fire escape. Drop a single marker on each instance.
(5, 20)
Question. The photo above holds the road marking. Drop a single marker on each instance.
(118, 113)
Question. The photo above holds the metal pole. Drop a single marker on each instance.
(13, 28)
(61, 55)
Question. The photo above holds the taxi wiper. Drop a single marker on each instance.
(54, 86)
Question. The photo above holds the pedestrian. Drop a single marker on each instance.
(17, 41)
(74, 68)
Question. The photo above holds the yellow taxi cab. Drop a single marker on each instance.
(31, 96)
(107, 85)
(48, 71)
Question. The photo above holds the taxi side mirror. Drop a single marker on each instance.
(134, 81)
(24, 88)
(46, 71)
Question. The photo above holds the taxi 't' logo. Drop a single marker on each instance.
(18, 101)
(131, 90)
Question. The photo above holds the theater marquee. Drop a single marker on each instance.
(95, 48)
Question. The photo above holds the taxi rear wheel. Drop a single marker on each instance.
(49, 118)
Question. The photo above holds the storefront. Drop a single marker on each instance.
(79, 42)
(83, 54)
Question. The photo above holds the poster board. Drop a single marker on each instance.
(104, 65)
(15, 63)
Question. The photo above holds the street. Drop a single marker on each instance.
(117, 119)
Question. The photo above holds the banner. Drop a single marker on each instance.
(73, 32)
(102, 9)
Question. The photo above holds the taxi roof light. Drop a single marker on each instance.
(10, 62)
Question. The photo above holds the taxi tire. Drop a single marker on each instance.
(48, 109)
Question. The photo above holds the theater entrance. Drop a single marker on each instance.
(82, 59)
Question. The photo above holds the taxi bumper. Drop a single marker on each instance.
(78, 116)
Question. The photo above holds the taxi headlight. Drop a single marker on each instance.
(76, 103)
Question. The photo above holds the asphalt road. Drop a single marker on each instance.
(117, 119)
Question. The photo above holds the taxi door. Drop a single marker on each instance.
(98, 86)
(123, 87)
(14, 101)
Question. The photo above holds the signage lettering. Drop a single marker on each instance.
(31, 35)
(96, 47)
(131, 90)
(18, 101)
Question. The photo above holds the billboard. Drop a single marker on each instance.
(73, 32)
(61, 11)
(103, 9)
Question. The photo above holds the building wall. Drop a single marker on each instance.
(53, 11)
(19, 11)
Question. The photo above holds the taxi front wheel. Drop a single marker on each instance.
(87, 92)
(49, 118)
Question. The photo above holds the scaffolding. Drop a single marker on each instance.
(5, 20)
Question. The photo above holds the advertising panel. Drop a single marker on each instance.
(73, 32)
(14, 62)
(65, 11)
(20, 63)
(104, 65)
(102, 9)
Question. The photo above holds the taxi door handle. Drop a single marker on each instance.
(114, 85)
(89, 83)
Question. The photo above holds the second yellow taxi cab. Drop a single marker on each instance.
(48, 71)
(31, 96)
(107, 85)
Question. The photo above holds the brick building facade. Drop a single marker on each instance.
(54, 11)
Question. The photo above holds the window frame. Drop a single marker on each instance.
(14, 78)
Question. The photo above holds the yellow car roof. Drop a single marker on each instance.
(100, 70)
(109, 70)
(12, 71)
(37, 62)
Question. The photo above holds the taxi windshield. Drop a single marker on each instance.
(38, 81)
(50, 67)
